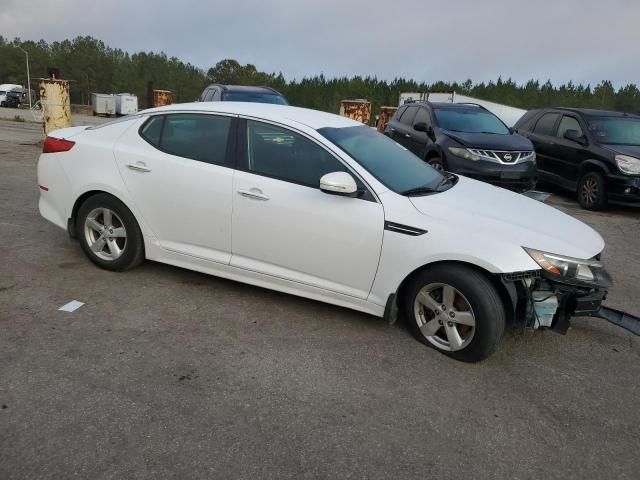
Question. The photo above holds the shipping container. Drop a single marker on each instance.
(103, 104)
(126, 104)
(358, 110)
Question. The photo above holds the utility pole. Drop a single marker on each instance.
(28, 76)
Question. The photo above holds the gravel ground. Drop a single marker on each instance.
(168, 373)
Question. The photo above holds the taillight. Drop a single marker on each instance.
(55, 145)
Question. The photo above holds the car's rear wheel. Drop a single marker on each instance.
(455, 310)
(592, 191)
(109, 234)
(437, 163)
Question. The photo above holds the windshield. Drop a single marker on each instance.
(392, 164)
(254, 97)
(615, 130)
(469, 120)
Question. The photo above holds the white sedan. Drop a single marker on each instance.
(320, 206)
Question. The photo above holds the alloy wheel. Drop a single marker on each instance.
(590, 191)
(105, 234)
(444, 316)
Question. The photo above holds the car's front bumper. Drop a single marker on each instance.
(519, 176)
(624, 189)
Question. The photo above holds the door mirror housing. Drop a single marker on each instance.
(421, 127)
(574, 136)
(339, 183)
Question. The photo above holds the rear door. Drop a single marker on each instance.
(543, 138)
(178, 171)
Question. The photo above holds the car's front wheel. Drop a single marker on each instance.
(437, 163)
(109, 234)
(592, 191)
(455, 310)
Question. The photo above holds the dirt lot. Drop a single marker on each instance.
(167, 373)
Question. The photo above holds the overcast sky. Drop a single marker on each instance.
(580, 40)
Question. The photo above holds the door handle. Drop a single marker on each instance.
(138, 167)
(407, 135)
(254, 193)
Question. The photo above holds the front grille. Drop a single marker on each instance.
(503, 156)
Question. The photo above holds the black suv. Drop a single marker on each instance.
(241, 93)
(595, 153)
(467, 139)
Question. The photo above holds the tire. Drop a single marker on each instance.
(478, 315)
(437, 163)
(109, 234)
(592, 191)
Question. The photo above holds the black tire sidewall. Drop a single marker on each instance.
(601, 201)
(483, 297)
(134, 250)
(436, 160)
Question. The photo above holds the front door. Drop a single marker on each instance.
(286, 227)
(178, 171)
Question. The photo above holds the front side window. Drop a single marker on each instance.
(390, 163)
(615, 130)
(546, 123)
(277, 152)
(469, 120)
(194, 136)
(568, 123)
(422, 117)
(409, 115)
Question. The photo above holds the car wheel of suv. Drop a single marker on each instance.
(592, 192)
(437, 163)
(109, 234)
(455, 310)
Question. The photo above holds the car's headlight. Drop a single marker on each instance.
(463, 153)
(628, 165)
(566, 267)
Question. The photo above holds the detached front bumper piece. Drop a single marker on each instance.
(621, 319)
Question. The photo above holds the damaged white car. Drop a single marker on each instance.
(320, 206)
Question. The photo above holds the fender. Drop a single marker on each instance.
(592, 162)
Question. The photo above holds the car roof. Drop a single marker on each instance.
(245, 88)
(445, 105)
(265, 111)
(591, 112)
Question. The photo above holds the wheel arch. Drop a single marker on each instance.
(507, 291)
(592, 165)
(71, 223)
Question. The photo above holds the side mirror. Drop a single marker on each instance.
(574, 136)
(421, 127)
(339, 183)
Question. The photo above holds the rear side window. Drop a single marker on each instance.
(546, 123)
(195, 136)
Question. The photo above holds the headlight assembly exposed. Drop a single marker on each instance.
(565, 267)
(463, 153)
(628, 165)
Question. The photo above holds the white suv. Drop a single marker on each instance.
(320, 206)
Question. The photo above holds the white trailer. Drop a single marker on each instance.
(103, 104)
(126, 104)
(8, 87)
(509, 115)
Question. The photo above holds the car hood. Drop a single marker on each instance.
(490, 141)
(632, 150)
(485, 212)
